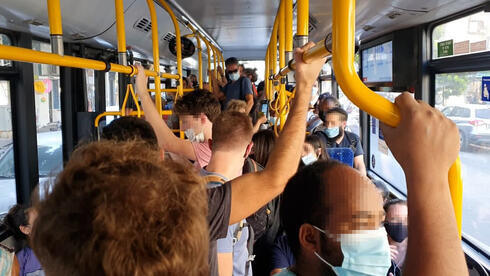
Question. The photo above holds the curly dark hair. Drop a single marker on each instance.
(130, 128)
(197, 102)
(118, 209)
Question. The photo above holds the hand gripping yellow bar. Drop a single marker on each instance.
(343, 65)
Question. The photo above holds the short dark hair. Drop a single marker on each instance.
(231, 61)
(16, 217)
(197, 102)
(343, 114)
(130, 128)
(385, 193)
(393, 202)
(303, 200)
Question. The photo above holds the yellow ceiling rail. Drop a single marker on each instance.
(156, 53)
(344, 19)
(55, 27)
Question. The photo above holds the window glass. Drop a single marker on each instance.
(7, 170)
(5, 40)
(256, 64)
(48, 116)
(326, 69)
(90, 89)
(469, 34)
(352, 110)
(111, 94)
(326, 86)
(381, 160)
(463, 93)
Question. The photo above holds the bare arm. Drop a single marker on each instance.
(359, 164)
(166, 138)
(261, 120)
(250, 102)
(216, 86)
(252, 191)
(426, 144)
(225, 264)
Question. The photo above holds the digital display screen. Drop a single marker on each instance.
(265, 107)
(377, 63)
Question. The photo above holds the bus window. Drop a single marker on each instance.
(48, 116)
(90, 89)
(352, 110)
(459, 96)
(5, 40)
(381, 160)
(7, 170)
(111, 94)
(463, 36)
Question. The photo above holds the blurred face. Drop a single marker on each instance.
(397, 213)
(334, 120)
(309, 149)
(191, 122)
(396, 223)
(353, 204)
(232, 68)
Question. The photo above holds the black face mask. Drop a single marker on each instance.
(397, 231)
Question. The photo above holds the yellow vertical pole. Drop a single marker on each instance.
(266, 77)
(156, 54)
(288, 19)
(199, 56)
(55, 27)
(208, 51)
(302, 22)
(214, 61)
(282, 63)
(179, 46)
(121, 32)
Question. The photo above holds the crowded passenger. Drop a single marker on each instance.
(325, 103)
(196, 110)
(332, 214)
(313, 150)
(282, 256)
(227, 160)
(264, 142)
(19, 221)
(334, 135)
(313, 121)
(396, 224)
(97, 221)
(241, 106)
(251, 74)
(237, 87)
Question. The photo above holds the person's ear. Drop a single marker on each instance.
(203, 118)
(318, 152)
(309, 239)
(249, 149)
(25, 229)
(344, 124)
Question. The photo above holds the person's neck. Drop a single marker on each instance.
(304, 268)
(228, 164)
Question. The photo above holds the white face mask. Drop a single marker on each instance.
(366, 252)
(309, 159)
(234, 76)
(191, 135)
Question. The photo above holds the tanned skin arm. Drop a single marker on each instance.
(166, 138)
(426, 144)
(254, 190)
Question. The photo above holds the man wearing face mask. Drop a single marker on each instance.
(335, 136)
(396, 224)
(196, 111)
(333, 216)
(237, 88)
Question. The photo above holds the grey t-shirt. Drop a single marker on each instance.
(237, 90)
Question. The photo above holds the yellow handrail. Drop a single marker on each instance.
(374, 104)
(208, 51)
(54, 14)
(282, 62)
(129, 90)
(179, 46)
(156, 53)
(120, 27)
(199, 53)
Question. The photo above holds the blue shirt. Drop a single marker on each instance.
(282, 256)
(237, 90)
(28, 263)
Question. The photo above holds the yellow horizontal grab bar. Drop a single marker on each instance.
(320, 50)
(372, 103)
(173, 90)
(132, 113)
(33, 56)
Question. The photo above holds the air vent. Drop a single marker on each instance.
(393, 14)
(168, 36)
(34, 22)
(143, 25)
(367, 28)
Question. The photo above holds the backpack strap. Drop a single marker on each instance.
(352, 142)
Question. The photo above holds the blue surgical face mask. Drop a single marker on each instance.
(366, 252)
(309, 159)
(332, 132)
(234, 76)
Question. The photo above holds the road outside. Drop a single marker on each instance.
(476, 195)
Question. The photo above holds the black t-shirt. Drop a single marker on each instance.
(219, 208)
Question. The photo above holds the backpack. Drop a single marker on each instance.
(266, 221)
(329, 144)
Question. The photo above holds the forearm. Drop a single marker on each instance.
(163, 132)
(250, 105)
(434, 246)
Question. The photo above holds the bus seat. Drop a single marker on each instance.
(343, 155)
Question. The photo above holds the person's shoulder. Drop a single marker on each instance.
(352, 135)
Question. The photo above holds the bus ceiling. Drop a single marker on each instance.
(241, 28)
